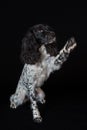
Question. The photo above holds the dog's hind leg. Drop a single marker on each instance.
(40, 95)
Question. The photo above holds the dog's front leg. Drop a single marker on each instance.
(64, 53)
(35, 111)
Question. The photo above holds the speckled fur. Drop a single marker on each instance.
(33, 77)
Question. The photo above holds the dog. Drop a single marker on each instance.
(40, 56)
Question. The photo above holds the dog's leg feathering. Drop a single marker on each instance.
(64, 53)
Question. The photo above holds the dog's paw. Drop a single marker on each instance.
(38, 119)
(70, 45)
(13, 105)
(43, 101)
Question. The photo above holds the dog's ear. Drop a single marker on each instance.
(24, 44)
(26, 47)
(29, 50)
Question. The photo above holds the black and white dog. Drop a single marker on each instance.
(40, 56)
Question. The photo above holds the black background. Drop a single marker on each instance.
(66, 94)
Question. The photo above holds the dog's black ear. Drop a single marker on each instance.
(25, 48)
(29, 49)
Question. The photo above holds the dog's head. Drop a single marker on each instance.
(44, 34)
(37, 36)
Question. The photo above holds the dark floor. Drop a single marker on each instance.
(66, 112)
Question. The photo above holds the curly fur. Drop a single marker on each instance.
(40, 56)
(35, 37)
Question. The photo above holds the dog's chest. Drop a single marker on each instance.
(38, 73)
(43, 71)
